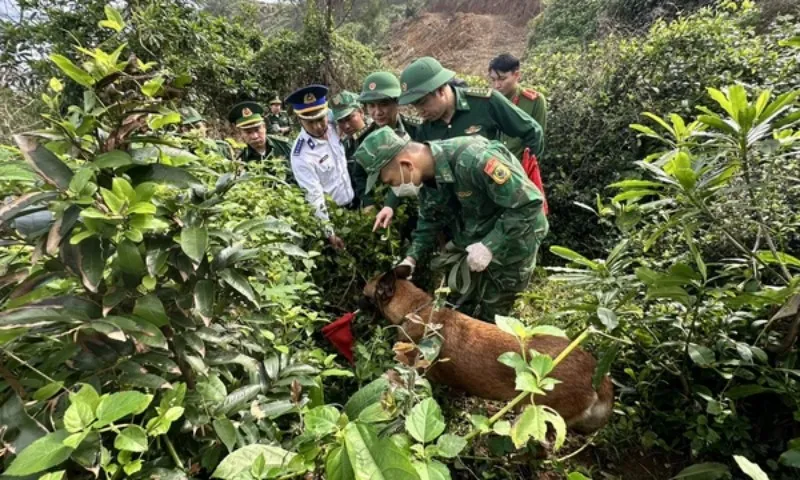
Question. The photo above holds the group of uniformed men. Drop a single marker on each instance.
(467, 156)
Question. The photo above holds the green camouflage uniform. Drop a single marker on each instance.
(484, 196)
(478, 111)
(277, 147)
(535, 105)
(406, 127)
(277, 121)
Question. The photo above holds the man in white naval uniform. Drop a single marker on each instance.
(318, 159)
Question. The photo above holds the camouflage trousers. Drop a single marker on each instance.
(497, 289)
(484, 294)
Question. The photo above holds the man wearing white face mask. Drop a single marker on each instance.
(478, 189)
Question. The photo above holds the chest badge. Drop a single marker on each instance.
(473, 129)
(311, 144)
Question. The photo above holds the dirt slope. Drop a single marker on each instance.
(464, 35)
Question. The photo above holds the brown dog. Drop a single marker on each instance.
(472, 348)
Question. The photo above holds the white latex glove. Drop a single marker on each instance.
(478, 257)
(384, 218)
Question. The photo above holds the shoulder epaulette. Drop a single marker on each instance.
(363, 131)
(280, 138)
(478, 92)
(411, 120)
(530, 94)
(298, 146)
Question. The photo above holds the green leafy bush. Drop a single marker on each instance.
(593, 96)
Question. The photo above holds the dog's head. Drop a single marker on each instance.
(392, 294)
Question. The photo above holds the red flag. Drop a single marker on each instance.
(531, 166)
(340, 334)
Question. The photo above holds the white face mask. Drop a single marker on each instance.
(406, 189)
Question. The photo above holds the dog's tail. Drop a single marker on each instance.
(598, 413)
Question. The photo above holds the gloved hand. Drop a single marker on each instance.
(405, 269)
(478, 257)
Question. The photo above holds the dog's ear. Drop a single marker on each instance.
(402, 272)
(384, 290)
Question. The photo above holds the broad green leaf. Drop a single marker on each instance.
(374, 459)
(513, 360)
(607, 358)
(113, 21)
(450, 445)
(152, 86)
(511, 326)
(88, 395)
(130, 260)
(59, 475)
(703, 471)
(425, 422)
(531, 424)
(80, 179)
(194, 242)
(132, 467)
(577, 476)
(204, 299)
(337, 465)
(123, 190)
(767, 256)
(142, 208)
(365, 396)
(47, 391)
(238, 399)
(548, 330)
(44, 162)
(114, 203)
(559, 425)
(226, 432)
(91, 263)
(241, 460)
(526, 382)
(121, 404)
(608, 318)
(158, 173)
(113, 159)
(239, 283)
(321, 421)
(702, 356)
(151, 309)
(432, 470)
(790, 458)
(74, 72)
(751, 469)
(44, 453)
(131, 439)
(78, 416)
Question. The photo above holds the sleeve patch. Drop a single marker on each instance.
(530, 94)
(498, 172)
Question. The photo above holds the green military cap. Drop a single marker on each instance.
(380, 86)
(377, 150)
(343, 104)
(189, 116)
(275, 100)
(246, 114)
(423, 76)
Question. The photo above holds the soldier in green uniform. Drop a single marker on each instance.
(193, 124)
(349, 117)
(249, 120)
(277, 119)
(476, 187)
(505, 74)
(450, 112)
(379, 93)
